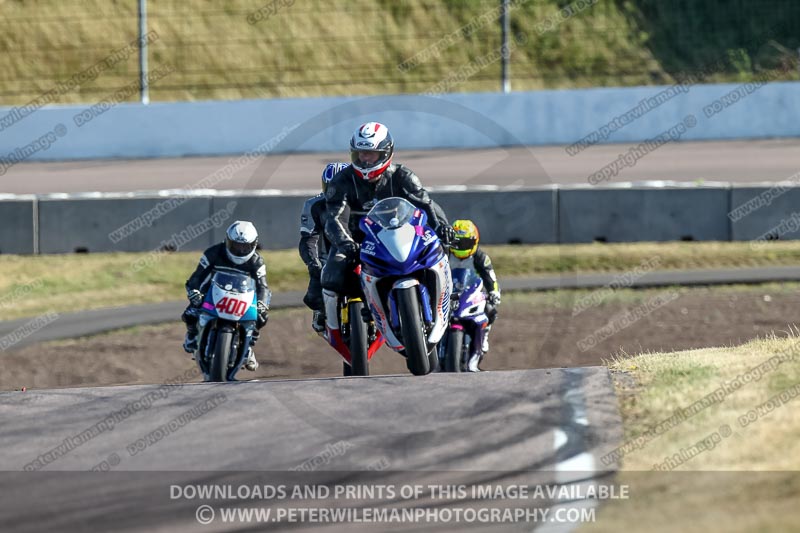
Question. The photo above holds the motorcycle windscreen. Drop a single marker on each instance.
(399, 242)
(464, 279)
(392, 212)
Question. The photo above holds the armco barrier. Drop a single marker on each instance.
(95, 225)
(765, 213)
(463, 121)
(17, 226)
(505, 217)
(624, 215)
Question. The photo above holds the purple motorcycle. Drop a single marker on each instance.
(460, 349)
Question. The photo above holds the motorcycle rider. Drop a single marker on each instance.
(237, 252)
(371, 177)
(314, 246)
(465, 253)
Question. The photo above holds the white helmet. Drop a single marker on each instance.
(371, 137)
(241, 240)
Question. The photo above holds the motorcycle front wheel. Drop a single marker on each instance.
(222, 353)
(359, 342)
(413, 332)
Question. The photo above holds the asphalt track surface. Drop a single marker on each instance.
(493, 428)
(84, 323)
(748, 161)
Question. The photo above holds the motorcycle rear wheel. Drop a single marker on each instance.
(455, 350)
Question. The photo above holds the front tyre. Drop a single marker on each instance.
(413, 332)
(455, 349)
(222, 354)
(359, 342)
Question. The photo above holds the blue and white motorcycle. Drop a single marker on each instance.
(226, 324)
(406, 279)
(460, 349)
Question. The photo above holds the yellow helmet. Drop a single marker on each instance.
(466, 239)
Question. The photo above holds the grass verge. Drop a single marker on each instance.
(30, 285)
(724, 463)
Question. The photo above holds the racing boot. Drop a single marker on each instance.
(485, 345)
(318, 322)
(190, 342)
(251, 364)
(472, 364)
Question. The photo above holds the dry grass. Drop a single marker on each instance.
(30, 285)
(746, 479)
(600, 257)
(313, 48)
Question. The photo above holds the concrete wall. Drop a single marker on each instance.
(17, 226)
(277, 218)
(765, 213)
(478, 120)
(67, 226)
(519, 217)
(625, 215)
(540, 216)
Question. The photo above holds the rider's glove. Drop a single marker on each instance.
(263, 313)
(446, 234)
(494, 297)
(195, 297)
(314, 270)
(350, 249)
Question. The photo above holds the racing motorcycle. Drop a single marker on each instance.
(355, 336)
(405, 276)
(460, 348)
(226, 323)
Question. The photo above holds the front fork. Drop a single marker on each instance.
(207, 342)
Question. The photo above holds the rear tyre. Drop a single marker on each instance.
(359, 342)
(455, 348)
(222, 353)
(413, 332)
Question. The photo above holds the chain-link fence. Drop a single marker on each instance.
(83, 51)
